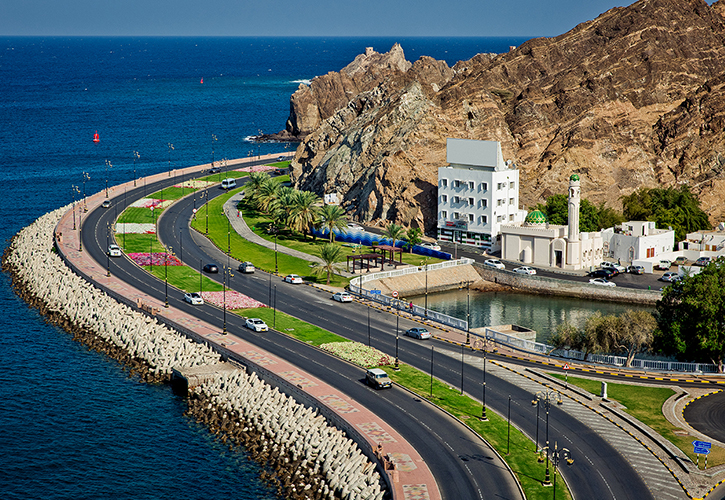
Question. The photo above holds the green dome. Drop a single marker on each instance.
(574, 177)
(535, 218)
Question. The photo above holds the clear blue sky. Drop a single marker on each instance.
(297, 17)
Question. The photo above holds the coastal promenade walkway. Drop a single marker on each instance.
(410, 478)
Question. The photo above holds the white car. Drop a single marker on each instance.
(431, 246)
(670, 276)
(293, 278)
(114, 250)
(257, 325)
(353, 226)
(418, 333)
(602, 282)
(342, 297)
(664, 265)
(495, 263)
(194, 298)
(613, 265)
(525, 270)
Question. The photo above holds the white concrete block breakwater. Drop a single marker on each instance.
(313, 459)
(323, 462)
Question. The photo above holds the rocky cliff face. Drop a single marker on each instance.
(633, 98)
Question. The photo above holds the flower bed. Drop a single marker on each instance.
(147, 203)
(157, 258)
(194, 184)
(234, 300)
(256, 168)
(135, 228)
(358, 353)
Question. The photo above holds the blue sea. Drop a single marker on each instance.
(73, 424)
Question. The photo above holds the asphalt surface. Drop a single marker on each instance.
(707, 415)
(599, 471)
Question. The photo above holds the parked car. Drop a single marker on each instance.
(211, 269)
(418, 333)
(378, 378)
(293, 278)
(602, 282)
(256, 324)
(106, 204)
(664, 264)
(354, 227)
(635, 270)
(246, 267)
(602, 273)
(342, 297)
(114, 250)
(703, 261)
(681, 260)
(194, 298)
(525, 270)
(494, 263)
(612, 265)
(670, 276)
(431, 246)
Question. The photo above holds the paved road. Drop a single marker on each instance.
(601, 471)
(707, 415)
(463, 465)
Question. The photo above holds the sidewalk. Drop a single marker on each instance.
(410, 473)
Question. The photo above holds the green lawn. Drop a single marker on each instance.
(139, 215)
(521, 457)
(186, 278)
(645, 404)
(138, 243)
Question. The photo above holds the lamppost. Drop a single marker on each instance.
(468, 313)
(206, 193)
(224, 299)
(397, 329)
(108, 165)
(201, 274)
(74, 190)
(86, 177)
(166, 276)
(545, 397)
(556, 457)
(276, 231)
(274, 310)
(213, 140)
(181, 246)
(124, 227)
(425, 262)
(151, 242)
(171, 147)
(136, 156)
(108, 253)
(484, 418)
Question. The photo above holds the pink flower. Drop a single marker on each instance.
(234, 300)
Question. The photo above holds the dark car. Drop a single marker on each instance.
(211, 268)
(215, 170)
(603, 273)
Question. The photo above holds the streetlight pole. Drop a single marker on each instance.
(224, 294)
(557, 456)
(468, 313)
(397, 326)
(74, 188)
(86, 177)
(462, 365)
(206, 193)
(108, 165)
(136, 156)
(108, 253)
(276, 268)
(274, 310)
(545, 397)
(484, 418)
(166, 277)
(426, 286)
(171, 147)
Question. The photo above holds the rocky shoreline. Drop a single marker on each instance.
(305, 456)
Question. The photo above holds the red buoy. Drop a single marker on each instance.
(202, 80)
(96, 138)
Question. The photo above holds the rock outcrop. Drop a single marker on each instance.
(631, 99)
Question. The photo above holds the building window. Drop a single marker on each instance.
(444, 182)
(444, 198)
(483, 219)
(499, 202)
(484, 186)
(471, 202)
(484, 203)
(456, 215)
(456, 183)
(511, 218)
(499, 218)
(512, 185)
(500, 185)
(471, 185)
(456, 199)
(511, 201)
(444, 214)
(471, 218)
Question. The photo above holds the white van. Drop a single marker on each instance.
(229, 183)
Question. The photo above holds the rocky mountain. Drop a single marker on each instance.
(634, 98)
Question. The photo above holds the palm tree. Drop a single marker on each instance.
(332, 217)
(330, 255)
(413, 237)
(394, 232)
(304, 211)
(281, 208)
(256, 180)
(266, 195)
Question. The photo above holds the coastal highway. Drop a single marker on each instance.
(600, 472)
(463, 465)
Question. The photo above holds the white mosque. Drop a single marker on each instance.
(538, 243)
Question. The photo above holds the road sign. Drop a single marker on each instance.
(395, 294)
(375, 292)
(702, 451)
(566, 366)
(701, 444)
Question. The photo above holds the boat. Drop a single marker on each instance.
(202, 80)
(96, 137)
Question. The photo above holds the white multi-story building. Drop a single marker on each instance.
(477, 193)
(637, 240)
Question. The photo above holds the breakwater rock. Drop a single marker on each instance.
(308, 457)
